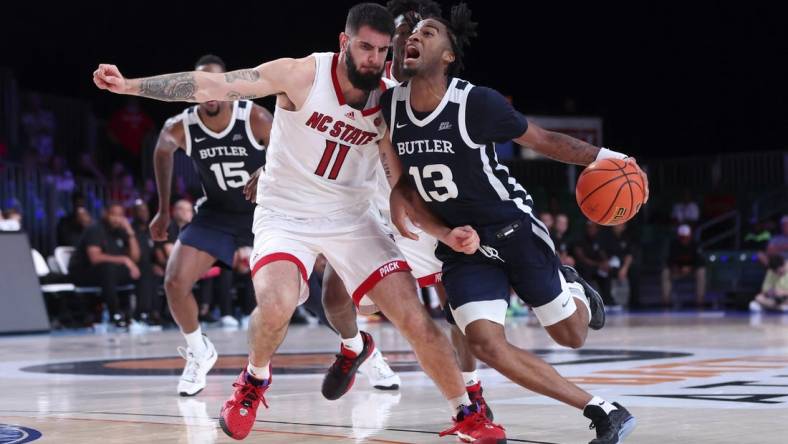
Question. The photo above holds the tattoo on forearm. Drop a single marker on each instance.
(235, 95)
(249, 75)
(570, 150)
(386, 167)
(169, 87)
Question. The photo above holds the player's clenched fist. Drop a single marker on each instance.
(109, 77)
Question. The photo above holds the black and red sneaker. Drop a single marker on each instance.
(472, 425)
(239, 412)
(342, 373)
(475, 393)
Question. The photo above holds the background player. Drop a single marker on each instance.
(444, 130)
(226, 140)
(323, 151)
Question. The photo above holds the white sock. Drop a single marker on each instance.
(196, 342)
(354, 344)
(470, 378)
(261, 373)
(456, 403)
(606, 406)
(577, 291)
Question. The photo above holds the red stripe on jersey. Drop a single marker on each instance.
(343, 150)
(327, 155)
(429, 280)
(273, 257)
(377, 276)
(371, 111)
(335, 79)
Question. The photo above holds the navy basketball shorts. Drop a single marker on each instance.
(220, 241)
(518, 256)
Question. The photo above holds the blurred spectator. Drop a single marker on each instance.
(593, 261)
(9, 224)
(561, 239)
(147, 303)
(547, 219)
(87, 168)
(774, 291)
(128, 127)
(39, 125)
(60, 177)
(71, 227)
(757, 238)
(107, 256)
(778, 244)
(684, 261)
(619, 247)
(686, 211)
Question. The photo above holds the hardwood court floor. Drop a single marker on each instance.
(689, 378)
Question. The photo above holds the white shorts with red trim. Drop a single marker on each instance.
(420, 255)
(358, 245)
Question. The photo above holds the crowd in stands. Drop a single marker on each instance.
(111, 249)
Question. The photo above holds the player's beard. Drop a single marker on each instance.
(213, 113)
(362, 81)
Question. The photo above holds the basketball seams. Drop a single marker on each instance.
(603, 185)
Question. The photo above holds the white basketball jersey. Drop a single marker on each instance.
(322, 159)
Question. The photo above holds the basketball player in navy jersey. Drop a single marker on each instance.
(443, 130)
(226, 141)
(339, 309)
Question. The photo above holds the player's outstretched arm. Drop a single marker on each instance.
(561, 147)
(200, 86)
(389, 159)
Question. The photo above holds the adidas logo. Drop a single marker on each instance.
(237, 137)
(351, 115)
(445, 126)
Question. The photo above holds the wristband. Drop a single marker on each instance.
(605, 153)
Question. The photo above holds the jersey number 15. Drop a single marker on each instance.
(230, 174)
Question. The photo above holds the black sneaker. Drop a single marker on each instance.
(610, 428)
(595, 302)
(342, 373)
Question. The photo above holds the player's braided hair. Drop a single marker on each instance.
(461, 30)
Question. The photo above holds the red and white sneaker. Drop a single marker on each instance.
(239, 412)
(471, 425)
(475, 393)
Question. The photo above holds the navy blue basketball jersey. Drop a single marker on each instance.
(450, 153)
(224, 160)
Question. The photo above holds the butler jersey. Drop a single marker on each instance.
(322, 158)
(449, 153)
(224, 160)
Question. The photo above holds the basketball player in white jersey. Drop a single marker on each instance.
(315, 198)
(420, 254)
(226, 140)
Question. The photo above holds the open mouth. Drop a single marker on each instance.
(411, 53)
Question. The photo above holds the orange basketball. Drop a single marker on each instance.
(611, 191)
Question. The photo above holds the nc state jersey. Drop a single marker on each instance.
(322, 159)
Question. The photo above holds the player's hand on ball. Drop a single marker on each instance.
(250, 188)
(109, 77)
(158, 226)
(462, 240)
(642, 175)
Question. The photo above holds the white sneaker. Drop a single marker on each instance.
(380, 375)
(229, 322)
(755, 307)
(197, 367)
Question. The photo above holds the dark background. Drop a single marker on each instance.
(669, 79)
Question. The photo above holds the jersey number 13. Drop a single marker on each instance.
(442, 180)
